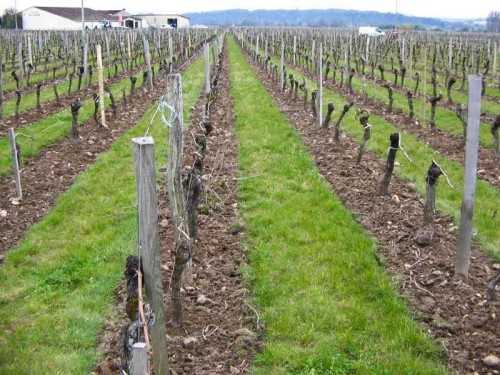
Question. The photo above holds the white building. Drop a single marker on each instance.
(36, 18)
(165, 20)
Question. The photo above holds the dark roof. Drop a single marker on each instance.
(75, 14)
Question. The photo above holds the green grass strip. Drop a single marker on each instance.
(327, 306)
(449, 201)
(58, 285)
(55, 127)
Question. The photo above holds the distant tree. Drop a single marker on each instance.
(493, 22)
(9, 20)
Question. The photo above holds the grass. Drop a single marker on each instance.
(327, 305)
(58, 286)
(50, 130)
(486, 222)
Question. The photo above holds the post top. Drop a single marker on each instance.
(143, 141)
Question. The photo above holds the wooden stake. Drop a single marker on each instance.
(1, 89)
(320, 85)
(147, 56)
(469, 193)
(170, 51)
(129, 52)
(15, 163)
(100, 76)
(20, 59)
(139, 364)
(149, 242)
(206, 50)
(282, 64)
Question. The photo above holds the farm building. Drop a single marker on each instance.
(71, 18)
(165, 20)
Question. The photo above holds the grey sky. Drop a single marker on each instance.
(424, 8)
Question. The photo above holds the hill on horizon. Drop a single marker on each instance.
(320, 18)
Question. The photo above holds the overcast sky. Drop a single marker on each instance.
(423, 8)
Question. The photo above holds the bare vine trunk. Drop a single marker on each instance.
(389, 166)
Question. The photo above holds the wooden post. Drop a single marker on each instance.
(183, 244)
(174, 90)
(424, 88)
(320, 85)
(282, 64)
(129, 52)
(313, 53)
(450, 55)
(20, 59)
(257, 45)
(85, 58)
(15, 163)
(139, 364)
(206, 50)
(367, 52)
(469, 193)
(1, 88)
(495, 58)
(147, 56)
(294, 49)
(170, 51)
(101, 84)
(149, 242)
(30, 55)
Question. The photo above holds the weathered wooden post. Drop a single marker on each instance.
(147, 57)
(469, 193)
(282, 64)
(367, 52)
(101, 85)
(320, 85)
(1, 88)
(206, 50)
(139, 364)
(170, 51)
(495, 58)
(149, 246)
(450, 55)
(20, 60)
(294, 49)
(183, 244)
(85, 57)
(15, 163)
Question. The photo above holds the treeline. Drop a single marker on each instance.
(315, 17)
